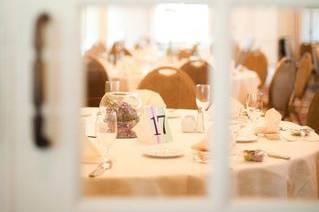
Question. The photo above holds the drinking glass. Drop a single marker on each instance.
(254, 105)
(202, 102)
(112, 86)
(105, 131)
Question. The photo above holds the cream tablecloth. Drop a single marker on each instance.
(135, 174)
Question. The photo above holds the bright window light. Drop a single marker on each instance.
(181, 23)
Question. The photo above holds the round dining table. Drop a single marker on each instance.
(134, 174)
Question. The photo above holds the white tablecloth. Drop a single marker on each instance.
(135, 174)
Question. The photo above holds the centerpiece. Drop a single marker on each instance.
(127, 106)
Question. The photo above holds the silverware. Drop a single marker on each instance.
(101, 168)
(91, 136)
(277, 156)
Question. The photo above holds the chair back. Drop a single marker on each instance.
(184, 54)
(197, 70)
(256, 61)
(313, 113)
(95, 77)
(303, 75)
(282, 86)
(315, 57)
(175, 87)
(305, 47)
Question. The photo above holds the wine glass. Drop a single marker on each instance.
(202, 102)
(254, 105)
(105, 131)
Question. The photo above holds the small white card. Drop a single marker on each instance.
(153, 127)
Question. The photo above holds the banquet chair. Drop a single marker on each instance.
(305, 47)
(315, 56)
(175, 87)
(197, 70)
(303, 75)
(313, 113)
(256, 61)
(184, 54)
(282, 86)
(304, 69)
(95, 79)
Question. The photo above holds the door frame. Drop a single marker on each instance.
(19, 154)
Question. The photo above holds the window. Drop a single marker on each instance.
(162, 23)
(186, 23)
(310, 22)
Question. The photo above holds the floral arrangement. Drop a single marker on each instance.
(254, 155)
(127, 116)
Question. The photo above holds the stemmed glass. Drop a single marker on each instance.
(254, 106)
(105, 131)
(203, 102)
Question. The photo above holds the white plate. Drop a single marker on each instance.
(313, 137)
(162, 152)
(246, 139)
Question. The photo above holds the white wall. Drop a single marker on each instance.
(266, 25)
(127, 23)
(258, 24)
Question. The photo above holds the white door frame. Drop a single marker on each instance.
(53, 176)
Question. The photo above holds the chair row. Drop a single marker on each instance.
(176, 86)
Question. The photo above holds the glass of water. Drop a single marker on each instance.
(105, 131)
(203, 102)
(254, 106)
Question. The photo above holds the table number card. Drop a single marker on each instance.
(153, 127)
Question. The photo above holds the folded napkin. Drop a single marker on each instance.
(201, 146)
(270, 124)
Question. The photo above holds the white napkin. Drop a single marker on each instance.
(271, 122)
